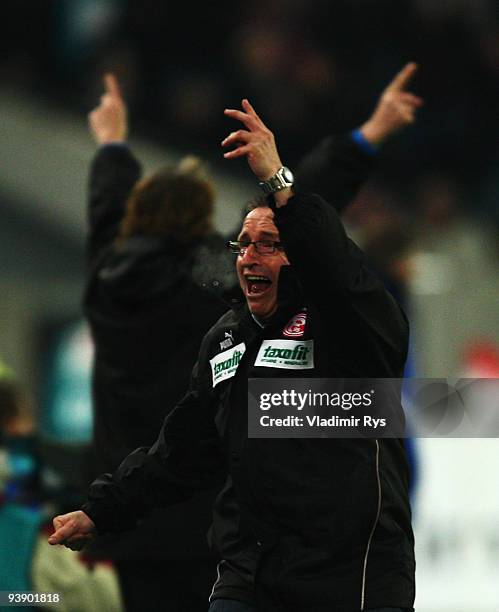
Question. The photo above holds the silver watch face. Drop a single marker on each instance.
(287, 175)
(282, 179)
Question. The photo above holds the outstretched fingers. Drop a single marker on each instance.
(111, 85)
(238, 152)
(251, 121)
(403, 78)
(248, 120)
(250, 110)
(240, 136)
(256, 142)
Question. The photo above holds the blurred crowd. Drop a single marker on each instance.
(310, 67)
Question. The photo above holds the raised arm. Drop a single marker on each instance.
(114, 170)
(257, 143)
(340, 164)
(331, 268)
(396, 108)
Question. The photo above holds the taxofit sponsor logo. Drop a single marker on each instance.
(224, 365)
(286, 354)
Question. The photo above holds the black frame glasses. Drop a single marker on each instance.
(262, 247)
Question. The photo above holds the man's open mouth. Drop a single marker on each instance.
(257, 284)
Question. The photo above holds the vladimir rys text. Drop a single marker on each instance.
(372, 408)
(309, 399)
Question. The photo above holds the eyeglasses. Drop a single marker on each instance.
(263, 247)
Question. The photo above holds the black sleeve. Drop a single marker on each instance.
(334, 272)
(113, 173)
(336, 169)
(186, 458)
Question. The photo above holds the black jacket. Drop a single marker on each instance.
(336, 168)
(301, 525)
(148, 311)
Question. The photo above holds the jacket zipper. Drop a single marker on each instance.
(364, 571)
(217, 580)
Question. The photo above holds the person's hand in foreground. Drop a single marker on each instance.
(108, 121)
(396, 108)
(73, 530)
(257, 143)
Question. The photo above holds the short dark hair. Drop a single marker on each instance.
(259, 201)
(176, 202)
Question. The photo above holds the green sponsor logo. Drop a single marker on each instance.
(298, 353)
(228, 364)
(291, 354)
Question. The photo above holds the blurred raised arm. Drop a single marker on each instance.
(340, 164)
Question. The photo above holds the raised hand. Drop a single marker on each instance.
(396, 108)
(73, 530)
(108, 121)
(256, 142)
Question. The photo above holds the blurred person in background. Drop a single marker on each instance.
(25, 562)
(148, 307)
(20, 515)
(189, 454)
(19, 456)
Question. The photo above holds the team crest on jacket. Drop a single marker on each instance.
(296, 326)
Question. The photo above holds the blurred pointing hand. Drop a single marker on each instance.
(108, 121)
(396, 108)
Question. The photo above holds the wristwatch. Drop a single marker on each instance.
(282, 178)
